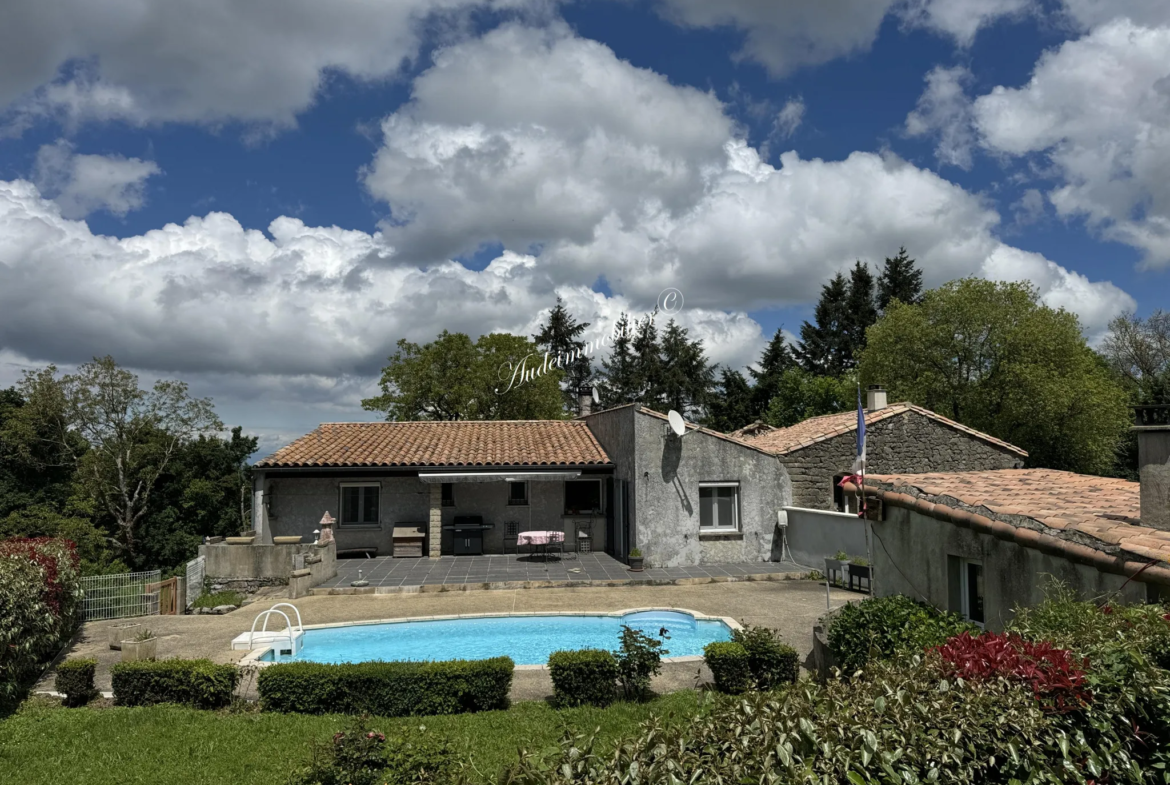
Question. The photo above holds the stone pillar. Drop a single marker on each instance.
(435, 527)
(1153, 432)
(260, 511)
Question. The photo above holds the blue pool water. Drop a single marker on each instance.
(528, 640)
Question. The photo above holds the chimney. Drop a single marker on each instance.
(585, 400)
(1153, 435)
(875, 398)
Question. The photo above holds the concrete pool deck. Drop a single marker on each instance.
(791, 607)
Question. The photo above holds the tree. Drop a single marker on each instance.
(801, 395)
(732, 406)
(776, 359)
(824, 348)
(647, 370)
(993, 357)
(686, 377)
(130, 435)
(500, 376)
(860, 313)
(900, 280)
(1138, 352)
(560, 337)
(34, 470)
(618, 370)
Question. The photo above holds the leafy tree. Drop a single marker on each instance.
(860, 313)
(824, 349)
(900, 280)
(560, 336)
(1138, 351)
(618, 370)
(776, 359)
(686, 376)
(42, 520)
(991, 356)
(500, 376)
(34, 470)
(732, 406)
(647, 370)
(800, 395)
(128, 436)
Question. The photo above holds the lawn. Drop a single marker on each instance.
(43, 743)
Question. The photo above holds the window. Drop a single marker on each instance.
(966, 588)
(582, 496)
(719, 507)
(359, 504)
(518, 493)
(448, 494)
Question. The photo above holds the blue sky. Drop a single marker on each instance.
(342, 177)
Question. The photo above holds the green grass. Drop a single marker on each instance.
(43, 743)
(206, 600)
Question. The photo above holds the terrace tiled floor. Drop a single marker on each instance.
(388, 573)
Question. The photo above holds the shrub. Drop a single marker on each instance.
(75, 681)
(730, 666)
(639, 658)
(213, 600)
(360, 755)
(387, 689)
(880, 627)
(1054, 675)
(585, 677)
(40, 599)
(772, 662)
(198, 683)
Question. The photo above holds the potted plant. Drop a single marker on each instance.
(859, 568)
(836, 565)
(636, 560)
(121, 632)
(246, 537)
(143, 646)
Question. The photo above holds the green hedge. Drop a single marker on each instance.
(772, 662)
(387, 689)
(880, 627)
(583, 678)
(198, 683)
(75, 681)
(730, 666)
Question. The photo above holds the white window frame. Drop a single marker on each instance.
(964, 590)
(361, 505)
(734, 508)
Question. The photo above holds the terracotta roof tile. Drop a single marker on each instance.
(1104, 509)
(459, 443)
(781, 441)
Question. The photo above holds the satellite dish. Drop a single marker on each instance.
(677, 423)
(596, 397)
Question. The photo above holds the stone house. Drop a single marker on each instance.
(617, 480)
(901, 438)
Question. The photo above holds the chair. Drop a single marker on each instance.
(512, 534)
(584, 529)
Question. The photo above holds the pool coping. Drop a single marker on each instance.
(252, 658)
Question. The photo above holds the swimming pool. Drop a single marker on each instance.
(528, 640)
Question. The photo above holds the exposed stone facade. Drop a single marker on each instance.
(906, 443)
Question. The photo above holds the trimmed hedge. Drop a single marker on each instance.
(880, 627)
(729, 663)
(584, 677)
(75, 681)
(197, 683)
(387, 689)
(772, 663)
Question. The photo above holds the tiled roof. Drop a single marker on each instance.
(782, 441)
(749, 443)
(1102, 513)
(458, 443)
(757, 428)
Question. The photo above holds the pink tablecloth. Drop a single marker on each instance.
(539, 538)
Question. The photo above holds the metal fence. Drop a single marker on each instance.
(195, 573)
(121, 596)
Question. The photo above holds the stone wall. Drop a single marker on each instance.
(906, 443)
(235, 566)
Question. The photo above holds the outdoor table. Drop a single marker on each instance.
(540, 540)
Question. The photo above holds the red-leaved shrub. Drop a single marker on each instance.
(1055, 676)
(54, 557)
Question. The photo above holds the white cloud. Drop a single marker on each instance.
(945, 110)
(205, 61)
(1029, 208)
(1090, 13)
(789, 118)
(1098, 108)
(963, 19)
(82, 184)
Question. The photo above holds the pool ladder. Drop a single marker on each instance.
(286, 642)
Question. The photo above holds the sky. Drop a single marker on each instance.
(261, 197)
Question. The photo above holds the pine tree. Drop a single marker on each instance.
(733, 405)
(617, 370)
(823, 346)
(900, 280)
(647, 371)
(560, 337)
(860, 313)
(686, 377)
(776, 359)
